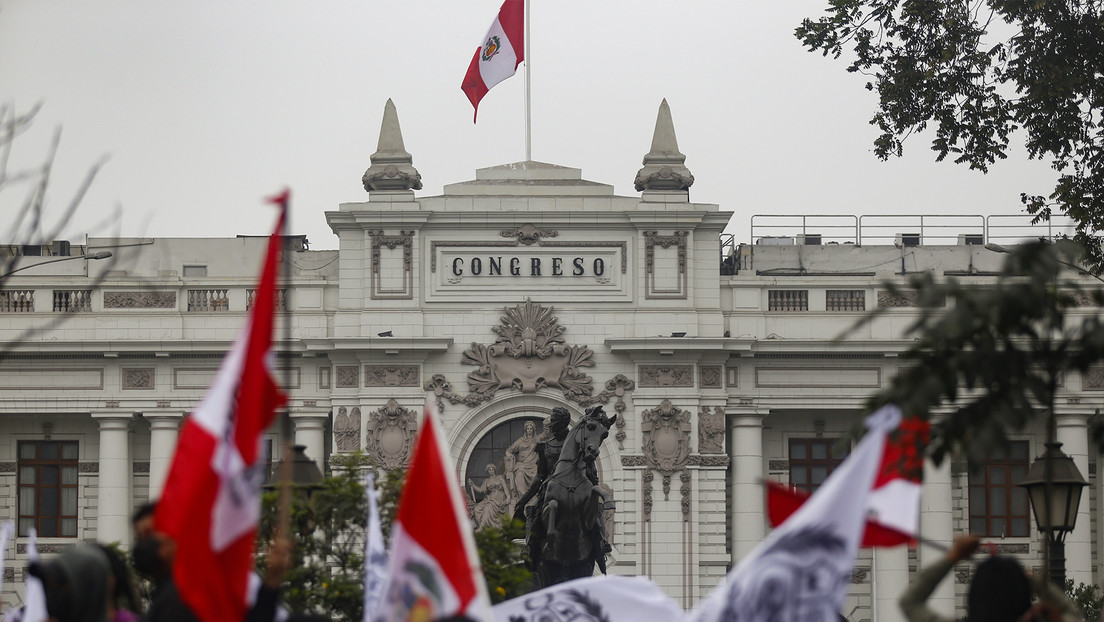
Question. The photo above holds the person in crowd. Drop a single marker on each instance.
(122, 599)
(1000, 590)
(154, 553)
(75, 583)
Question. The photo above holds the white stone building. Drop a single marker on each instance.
(524, 289)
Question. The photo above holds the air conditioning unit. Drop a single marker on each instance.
(809, 239)
(908, 239)
(971, 239)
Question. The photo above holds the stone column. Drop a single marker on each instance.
(746, 448)
(310, 431)
(113, 503)
(891, 576)
(164, 427)
(1073, 433)
(937, 525)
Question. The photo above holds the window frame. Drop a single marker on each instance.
(980, 481)
(832, 461)
(37, 517)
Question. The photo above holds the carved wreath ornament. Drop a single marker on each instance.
(529, 354)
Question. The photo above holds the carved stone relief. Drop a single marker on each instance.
(902, 299)
(710, 376)
(528, 234)
(646, 498)
(391, 432)
(138, 378)
(1093, 379)
(140, 300)
(528, 355)
(347, 430)
(666, 376)
(711, 430)
(390, 375)
(684, 490)
(666, 437)
(140, 467)
(860, 574)
(347, 377)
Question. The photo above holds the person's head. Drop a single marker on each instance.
(121, 592)
(999, 591)
(561, 420)
(75, 583)
(153, 551)
(491, 469)
(530, 428)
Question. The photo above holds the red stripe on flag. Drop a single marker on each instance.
(782, 501)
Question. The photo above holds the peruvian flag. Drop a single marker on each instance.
(893, 507)
(211, 500)
(434, 570)
(499, 54)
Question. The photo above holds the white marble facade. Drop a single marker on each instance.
(524, 289)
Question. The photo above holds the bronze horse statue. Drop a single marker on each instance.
(567, 537)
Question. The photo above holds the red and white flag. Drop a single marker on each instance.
(802, 570)
(499, 54)
(893, 508)
(434, 570)
(211, 500)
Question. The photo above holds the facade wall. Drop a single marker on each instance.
(710, 378)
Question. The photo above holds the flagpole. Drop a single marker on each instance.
(528, 89)
(283, 525)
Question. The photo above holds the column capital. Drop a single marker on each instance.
(1073, 415)
(112, 419)
(310, 421)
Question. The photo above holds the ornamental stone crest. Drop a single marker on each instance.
(347, 430)
(666, 437)
(528, 234)
(391, 432)
(529, 354)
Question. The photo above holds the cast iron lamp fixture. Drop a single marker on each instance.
(1055, 509)
(305, 474)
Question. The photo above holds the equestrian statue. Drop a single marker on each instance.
(565, 532)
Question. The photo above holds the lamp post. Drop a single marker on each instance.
(96, 255)
(1054, 486)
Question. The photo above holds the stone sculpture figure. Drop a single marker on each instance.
(489, 510)
(565, 534)
(521, 461)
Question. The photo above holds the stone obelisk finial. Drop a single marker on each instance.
(663, 165)
(392, 167)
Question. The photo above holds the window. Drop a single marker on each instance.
(812, 460)
(998, 507)
(48, 488)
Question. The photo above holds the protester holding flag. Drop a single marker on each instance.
(1000, 590)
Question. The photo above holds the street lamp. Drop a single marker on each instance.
(96, 255)
(305, 473)
(1054, 485)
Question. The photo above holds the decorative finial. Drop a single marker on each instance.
(392, 167)
(663, 165)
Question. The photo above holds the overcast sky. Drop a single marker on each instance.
(205, 106)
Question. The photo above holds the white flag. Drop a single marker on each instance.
(34, 596)
(801, 571)
(5, 537)
(375, 553)
(609, 598)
